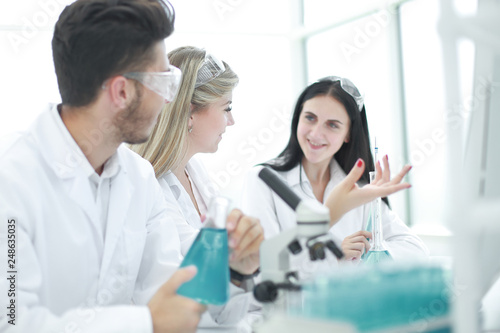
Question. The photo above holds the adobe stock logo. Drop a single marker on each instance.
(40, 20)
(224, 6)
(364, 35)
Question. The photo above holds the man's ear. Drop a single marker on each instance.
(120, 91)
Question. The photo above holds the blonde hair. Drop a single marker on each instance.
(167, 145)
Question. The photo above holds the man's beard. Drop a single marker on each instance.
(130, 122)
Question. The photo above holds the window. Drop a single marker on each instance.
(426, 109)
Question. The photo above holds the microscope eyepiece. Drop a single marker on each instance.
(334, 248)
(272, 180)
(265, 292)
(317, 251)
(294, 247)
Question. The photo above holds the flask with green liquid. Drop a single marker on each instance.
(209, 253)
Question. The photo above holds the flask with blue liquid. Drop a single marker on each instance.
(209, 253)
(377, 253)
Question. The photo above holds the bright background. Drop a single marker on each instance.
(390, 49)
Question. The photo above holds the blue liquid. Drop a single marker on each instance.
(375, 257)
(209, 253)
(376, 298)
(368, 228)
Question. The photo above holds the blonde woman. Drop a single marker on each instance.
(194, 123)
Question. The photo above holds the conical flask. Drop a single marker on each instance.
(378, 252)
(209, 253)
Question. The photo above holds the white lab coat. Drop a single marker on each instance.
(188, 225)
(190, 222)
(70, 277)
(275, 215)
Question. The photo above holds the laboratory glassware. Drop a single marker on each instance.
(367, 225)
(395, 297)
(378, 252)
(209, 253)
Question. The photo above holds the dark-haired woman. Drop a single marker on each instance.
(329, 138)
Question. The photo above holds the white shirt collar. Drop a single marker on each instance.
(111, 168)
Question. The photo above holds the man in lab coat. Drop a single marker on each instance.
(86, 243)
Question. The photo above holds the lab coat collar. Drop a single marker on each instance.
(173, 183)
(198, 176)
(201, 180)
(59, 149)
(298, 176)
(62, 153)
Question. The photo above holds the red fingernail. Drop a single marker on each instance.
(386, 156)
(360, 163)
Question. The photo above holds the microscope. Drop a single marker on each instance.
(312, 226)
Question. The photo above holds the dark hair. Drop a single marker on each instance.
(359, 142)
(96, 39)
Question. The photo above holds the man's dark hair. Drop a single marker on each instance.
(97, 39)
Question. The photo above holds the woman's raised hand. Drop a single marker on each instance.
(348, 195)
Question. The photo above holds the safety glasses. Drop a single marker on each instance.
(348, 87)
(166, 84)
(211, 68)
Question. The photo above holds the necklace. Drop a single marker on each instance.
(191, 192)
